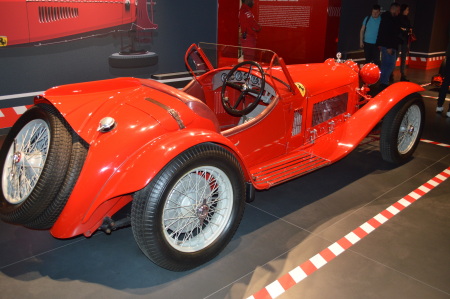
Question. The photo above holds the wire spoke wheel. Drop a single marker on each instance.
(408, 132)
(401, 129)
(191, 209)
(40, 161)
(25, 161)
(197, 209)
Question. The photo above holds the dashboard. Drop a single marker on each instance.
(241, 77)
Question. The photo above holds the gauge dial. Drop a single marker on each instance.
(223, 77)
(239, 76)
(255, 80)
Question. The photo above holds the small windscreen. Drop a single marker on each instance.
(224, 55)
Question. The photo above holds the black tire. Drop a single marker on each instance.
(401, 129)
(173, 244)
(118, 60)
(40, 206)
(52, 212)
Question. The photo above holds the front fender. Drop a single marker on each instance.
(83, 215)
(349, 135)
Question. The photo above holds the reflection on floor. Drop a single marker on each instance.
(406, 257)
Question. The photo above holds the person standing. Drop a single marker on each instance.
(446, 83)
(368, 36)
(405, 31)
(249, 29)
(388, 41)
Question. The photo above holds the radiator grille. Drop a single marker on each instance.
(330, 108)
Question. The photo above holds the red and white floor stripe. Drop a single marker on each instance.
(299, 273)
(435, 143)
(8, 116)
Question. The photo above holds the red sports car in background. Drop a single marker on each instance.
(188, 160)
(36, 22)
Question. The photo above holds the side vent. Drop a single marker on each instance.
(48, 14)
(297, 123)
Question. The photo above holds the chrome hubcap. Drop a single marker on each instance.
(17, 157)
(409, 132)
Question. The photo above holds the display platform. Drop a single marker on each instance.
(285, 244)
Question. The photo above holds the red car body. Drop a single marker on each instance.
(33, 21)
(113, 171)
(310, 116)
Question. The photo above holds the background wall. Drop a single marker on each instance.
(300, 31)
(30, 69)
(181, 23)
(436, 23)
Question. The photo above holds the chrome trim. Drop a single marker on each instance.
(169, 110)
(286, 169)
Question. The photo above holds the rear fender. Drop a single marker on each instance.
(80, 217)
(350, 134)
(140, 168)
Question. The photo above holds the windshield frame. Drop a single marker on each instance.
(206, 57)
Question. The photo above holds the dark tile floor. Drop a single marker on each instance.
(406, 257)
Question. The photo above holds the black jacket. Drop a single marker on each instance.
(389, 31)
(406, 24)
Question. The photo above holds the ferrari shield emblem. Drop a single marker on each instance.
(301, 88)
(3, 41)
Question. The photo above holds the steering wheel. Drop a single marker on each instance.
(246, 87)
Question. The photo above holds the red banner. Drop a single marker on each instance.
(300, 31)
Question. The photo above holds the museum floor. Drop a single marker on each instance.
(332, 223)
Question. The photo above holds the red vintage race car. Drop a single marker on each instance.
(187, 160)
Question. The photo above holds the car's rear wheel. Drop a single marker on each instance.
(39, 167)
(191, 209)
(401, 129)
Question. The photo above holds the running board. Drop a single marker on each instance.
(289, 167)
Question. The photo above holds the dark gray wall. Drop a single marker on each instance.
(439, 34)
(353, 13)
(181, 23)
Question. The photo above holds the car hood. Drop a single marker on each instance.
(317, 78)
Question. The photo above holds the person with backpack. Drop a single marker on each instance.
(368, 35)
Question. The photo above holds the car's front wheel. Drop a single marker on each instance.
(401, 129)
(191, 209)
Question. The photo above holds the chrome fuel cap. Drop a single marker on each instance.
(106, 124)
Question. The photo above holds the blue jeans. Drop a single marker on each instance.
(387, 64)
